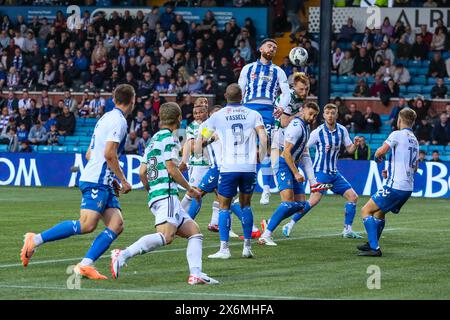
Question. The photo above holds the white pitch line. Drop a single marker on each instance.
(3, 266)
(181, 293)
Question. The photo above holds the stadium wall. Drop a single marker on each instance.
(57, 170)
(372, 17)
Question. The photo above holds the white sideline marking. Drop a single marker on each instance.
(106, 256)
(181, 293)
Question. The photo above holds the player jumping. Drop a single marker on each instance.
(289, 179)
(260, 82)
(400, 181)
(99, 189)
(328, 138)
(238, 128)
(160, 175)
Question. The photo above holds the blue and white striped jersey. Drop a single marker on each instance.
(297, 133)
(328, 144)
(112, 126)
(260, 84)
(402, 163)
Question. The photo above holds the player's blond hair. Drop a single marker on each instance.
(330, 106)
(408, 116)
(169, 113)
(301, 77)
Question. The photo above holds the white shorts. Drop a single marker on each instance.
(169, 210)
(277, 138)
(196, 174)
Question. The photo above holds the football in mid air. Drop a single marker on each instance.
(298, 56)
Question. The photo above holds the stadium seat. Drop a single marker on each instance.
(384, 117)
(71, 139)
(73, 149)
(415, 89)
(403, 62)
(422, 71)
(337, 94)
(438, 148)
(446, 55)
(84, 140)
(334, 79)
(419, 80)
(345, 79)
(3, 147)
(445, 158)
(370, 80)
(413, 71)
(91, 121)
(59, 149)
(425, 63)
(338, 87)
(403, 89)
(378, 136)
(350, 88)
(44, 148)
(414, 64)
(447, 81)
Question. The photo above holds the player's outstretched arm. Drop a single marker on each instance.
(308, 167)
(143, 176)
(112, 160)
(351, 148)
(381, 151)
(178, 177)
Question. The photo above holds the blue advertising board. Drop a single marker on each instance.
(432, 180)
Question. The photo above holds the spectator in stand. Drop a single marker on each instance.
(347, 31)
(391, 90)
(437, 66)
(441, 131)
(419, 50)
(38, 134)
(423, 131)
(401, 75)
(387, 70)
(166, 50)
(422, 156)
(427, 37)
(53, 136)
(237, 63)
(97, 105)
(439, 91)
(430, 4)
(65, 122)
(224, 72)
(4, 120)
(210, 87)
(386, 52)
(377, 89)
(187, 109)
(143, 141)
(131, 143)
(22, 133)
(435, 156)
(10, 139)
(221, 52)
(363, 64)
(403, 48)
(363, 151)
(354, 121)
(346, 65)
(421, 109)
(438, 42)
(25, 147)
(342, 110)
(22, 118)
(246, 51)
(372, 121)
(378, 39)
(395, 111)
(51, 120)
(13, 79)
(195, 85)
(62, 80)
(362, 89)
(156, 101)
(336, 60)
(292, 8)
(387, 29)
(162, 86)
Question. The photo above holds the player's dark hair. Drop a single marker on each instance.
(217, 106)
(312, 105)
(124, 94)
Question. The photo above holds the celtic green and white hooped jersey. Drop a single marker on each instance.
(295, 103)
(161, 148)
(193, 132)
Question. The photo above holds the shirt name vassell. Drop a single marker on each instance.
(236, 117)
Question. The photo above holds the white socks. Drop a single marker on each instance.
(215, 213)
(186, 203)
(267, 233)
(145, 244)
(247, 243)
(87, 262)
(224, 246)
(254, 228)
(38, 240)
(194, 254)
(291, 223)
(266, 188)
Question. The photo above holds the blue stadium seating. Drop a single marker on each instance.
(422, 71)
(419, 80)
(84, 140)
(45, 148)
(59, 149)
(414, 89)
(427, 89)
(414, 63)
(72, 139)
(345, 79)
(3, 147)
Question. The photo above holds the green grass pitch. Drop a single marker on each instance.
(315, 263)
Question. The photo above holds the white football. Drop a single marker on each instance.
(298, 56)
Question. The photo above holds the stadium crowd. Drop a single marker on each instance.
(161, 53)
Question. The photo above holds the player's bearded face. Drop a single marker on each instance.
(268, 50)
(310, 115)
(301, 90)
